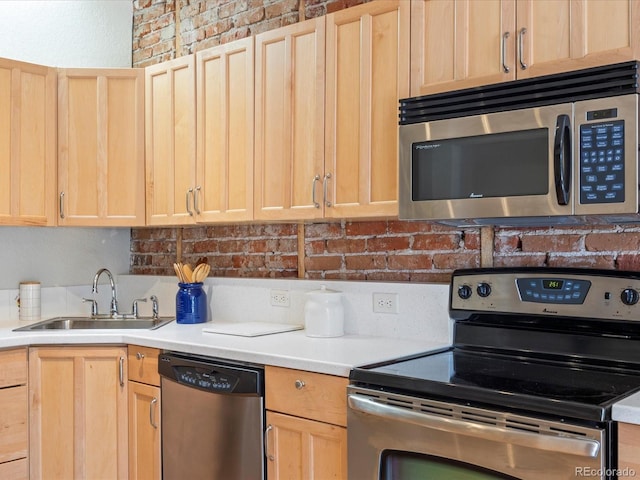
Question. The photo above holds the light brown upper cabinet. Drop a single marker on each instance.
(289, 111)
(27, 144)
(101, 147)
(465, 43)
(327, 94)
(224, 174)
(367, 72)
(170, 141)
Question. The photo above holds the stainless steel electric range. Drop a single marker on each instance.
(539, 357)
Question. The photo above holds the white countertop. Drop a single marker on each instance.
(627, 410)
(334, 356)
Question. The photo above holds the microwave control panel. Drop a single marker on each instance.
(602, 162)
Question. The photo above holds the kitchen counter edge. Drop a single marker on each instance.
(332, 356)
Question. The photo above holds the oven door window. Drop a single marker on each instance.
(507, 164)
(397, 465)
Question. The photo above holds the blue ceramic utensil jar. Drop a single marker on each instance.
(191, 303)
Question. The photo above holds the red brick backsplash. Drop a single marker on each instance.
(371, 250)
(377, 250)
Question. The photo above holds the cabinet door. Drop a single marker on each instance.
(570, 35)
(298, 448)
(78, 412)
(101, 147)
(628, 445)
(145, 461)
(225, 84)
(170, 141)
(289, 121)
(461, 43)
(13, 412)
(27, 144)
(367, 73)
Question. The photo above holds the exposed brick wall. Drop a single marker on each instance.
(379, 251)
(606, 247)
(371, 250)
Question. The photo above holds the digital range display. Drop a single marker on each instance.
(552, 284)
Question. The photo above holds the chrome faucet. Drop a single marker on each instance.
(113, 310)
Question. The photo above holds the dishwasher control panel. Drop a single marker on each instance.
(212, 375)
(207, 379)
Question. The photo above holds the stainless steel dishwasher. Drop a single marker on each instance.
(212, 418)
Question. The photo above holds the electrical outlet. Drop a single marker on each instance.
(280, 298)
(385, 303)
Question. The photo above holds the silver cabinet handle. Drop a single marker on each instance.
(121, 371)
(152, 417)
(189, 192)
(523, 65)
(299, 384)
(324, 189)
(505, 67)
(269, 456)
(196, 196)
(313, 191)
(61, 204)
(572, 446)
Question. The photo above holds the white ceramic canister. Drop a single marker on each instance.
(29, 295)
(324, 313)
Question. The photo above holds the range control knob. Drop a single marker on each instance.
(464, 291)
(629, 296)
(483, 289)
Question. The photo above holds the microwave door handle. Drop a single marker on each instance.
(562, 158)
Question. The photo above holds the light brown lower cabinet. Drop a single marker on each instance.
(628, 447)
(300, 448)
(13, 414)
(78, 412)
(306, 434)
(145, 461)
(145, 423)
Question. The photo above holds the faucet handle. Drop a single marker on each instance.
(134, 307)
(94, 306)
(154, 306)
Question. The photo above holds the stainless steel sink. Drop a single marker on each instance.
(90, 323)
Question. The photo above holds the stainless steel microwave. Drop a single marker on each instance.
(546, 163)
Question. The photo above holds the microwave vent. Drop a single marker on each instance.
(597, 82)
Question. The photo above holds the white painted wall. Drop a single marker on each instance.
(64, 33)
(67, 33)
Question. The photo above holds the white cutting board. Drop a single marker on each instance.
(249, 329)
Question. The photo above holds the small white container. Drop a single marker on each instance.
(29, 301)
(324, 313)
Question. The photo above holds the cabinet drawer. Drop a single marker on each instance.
(309, 395)
(13, 367)
(16, 470)
(13, 423)
(143, 364)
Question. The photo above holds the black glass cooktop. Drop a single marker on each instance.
(533, 384)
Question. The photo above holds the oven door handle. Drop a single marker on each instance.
(572, 446)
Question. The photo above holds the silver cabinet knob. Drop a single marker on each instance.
(299, 384)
